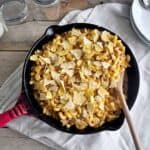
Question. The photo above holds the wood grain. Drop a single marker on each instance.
(21, 37)
(9, 61)
(12, 140)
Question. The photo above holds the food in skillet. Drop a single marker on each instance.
(74, 74)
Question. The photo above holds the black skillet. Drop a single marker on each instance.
(27, 105)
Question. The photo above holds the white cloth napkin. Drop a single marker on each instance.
(116, 18)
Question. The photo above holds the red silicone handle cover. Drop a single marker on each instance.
(18, 110)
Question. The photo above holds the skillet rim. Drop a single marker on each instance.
(49, 33)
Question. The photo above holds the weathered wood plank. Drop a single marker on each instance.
(12, 140)
(6, 132)
(21, 37)
(9, 61)
(15, 46)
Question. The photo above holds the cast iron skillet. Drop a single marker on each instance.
(27, 105)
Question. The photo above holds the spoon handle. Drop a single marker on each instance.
(134, 134)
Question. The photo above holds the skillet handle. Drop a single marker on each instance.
(51, 30)
(18, 110)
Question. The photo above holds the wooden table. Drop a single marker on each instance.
(14, 46)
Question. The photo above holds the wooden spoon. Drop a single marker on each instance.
(119, 94)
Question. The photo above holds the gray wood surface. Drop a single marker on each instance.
(13, 49)
(12, 140)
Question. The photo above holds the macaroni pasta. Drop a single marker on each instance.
(73, 77)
